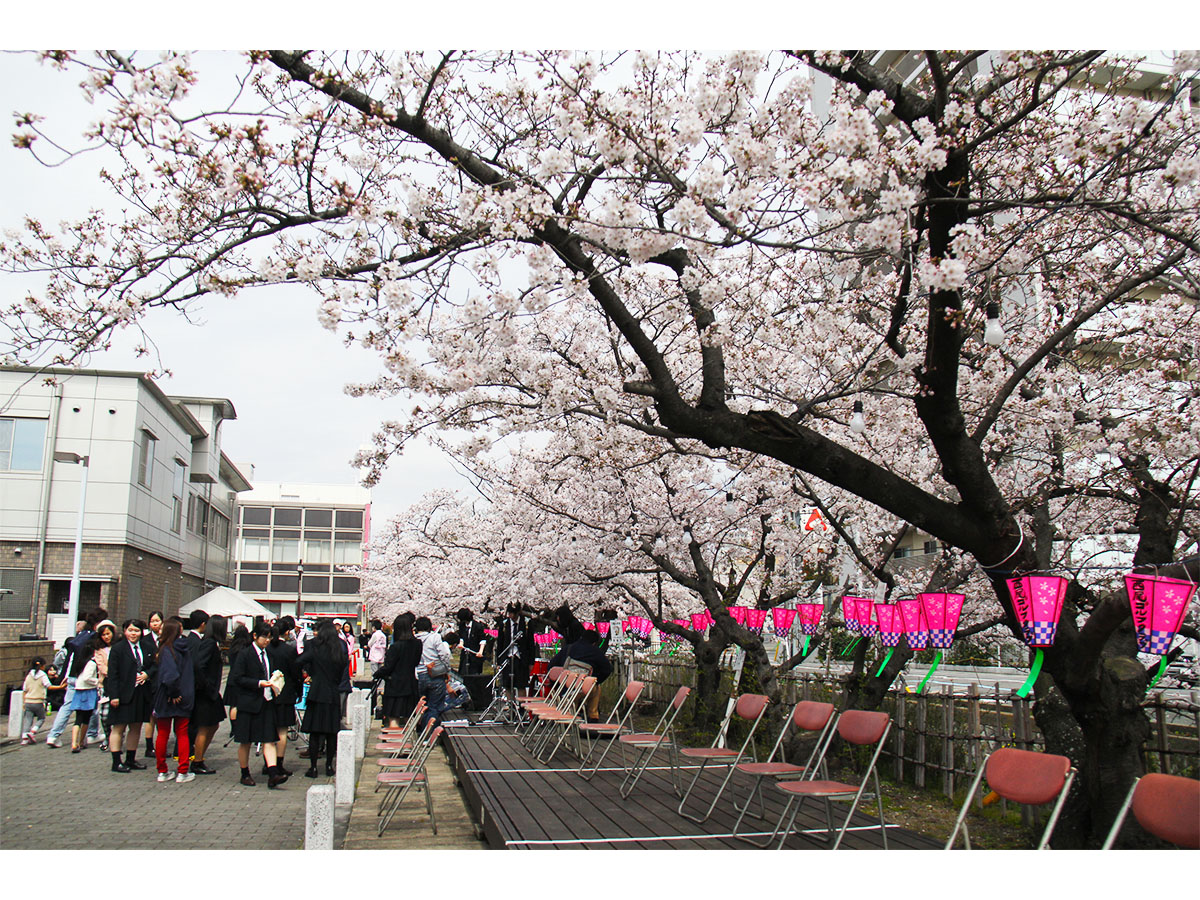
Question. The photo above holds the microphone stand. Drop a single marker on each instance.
(503, 709)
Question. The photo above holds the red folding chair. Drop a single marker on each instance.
(861, 728)
(807, 715)
(571, 713)
(615, 725)
(749, 708)
(1167, 806)
(1023, 776)
(647, 742)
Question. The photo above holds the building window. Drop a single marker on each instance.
(285, 551)
(177, 497)
(21, 443)
(315, 584)
(17, 606)
(931, 546)
(256, 515)
(347, 553)
(218, 532)
(285, 584)
(342, 585)
(197, 522)
(350, 518)
(318, 518)
(289, 518)
(255, 550)
(146, 458)
(252, 583)
(316, 552)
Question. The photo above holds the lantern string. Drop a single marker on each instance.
(1162, 667)
(1034, 671)
(1020, 543)
(936, 659)
(886, 659)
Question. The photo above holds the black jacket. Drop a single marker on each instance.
(472, 638)
(325, 674)
(398, 672)
(121, 681)
(245, 672)
(283, 656)
(585, 653)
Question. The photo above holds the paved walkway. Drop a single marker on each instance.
(56, 799)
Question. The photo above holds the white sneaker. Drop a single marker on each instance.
(185, 777)
(53, 742)
(165, 776)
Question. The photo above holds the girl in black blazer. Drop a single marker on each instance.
(254, 697)
(131, 670)
(400, 691)
(283, 658)
(209, 711)
(323, 661)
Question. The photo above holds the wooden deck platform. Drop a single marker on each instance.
(523, 804)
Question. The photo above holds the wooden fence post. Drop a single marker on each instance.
(922, 709)
(901, 702)
(1160, 723)
(974, 736)
(948, 741)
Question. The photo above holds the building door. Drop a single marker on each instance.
(133, 597)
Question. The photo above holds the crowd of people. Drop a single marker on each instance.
(166, 677)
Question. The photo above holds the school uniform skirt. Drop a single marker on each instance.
(321, 718)
(208, 712)
(398, 707)
(256, 728)
(136, 710)
(285, 715)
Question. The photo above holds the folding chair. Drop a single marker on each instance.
(807, 715)
(749, 708)
(571, 713)
(647, 742)
(1167, 806)
(411, 777)
(1023, 776)
(548, 695)
(861, 728)
(612, 727)
(540, 711)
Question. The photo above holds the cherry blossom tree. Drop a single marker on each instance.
(726, 252)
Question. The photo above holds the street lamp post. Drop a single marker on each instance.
(73, 602)
(299, 586)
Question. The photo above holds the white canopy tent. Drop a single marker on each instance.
(223, 601)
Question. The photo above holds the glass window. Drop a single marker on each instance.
(347, 553)
(285, 551)
(21, 443)
(252, 583)
(146, 459)
(177, 497)
(344, 585)
(289, 517)
(316, 552)
(284, 584)
(315, 584)
(318, 518)
(18, 605)
(256, 550)
(349, 518)
(256, 515)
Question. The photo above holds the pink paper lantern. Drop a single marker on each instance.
(701, 620)
(850, 613)
(590, 626)
(915, 628)
(810, 616)
(866, 627)
(1037, 601)
(941, 612)
(755, 619)
(602, 628)
(781, 620)
(492, 632)
(1158, 605)
(738, 614)
(891, 624)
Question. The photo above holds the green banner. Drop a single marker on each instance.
(886, 659)
(936, 659)
(1034, 671)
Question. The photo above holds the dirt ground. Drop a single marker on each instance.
(928, 812)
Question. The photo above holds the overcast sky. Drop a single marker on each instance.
(263, 350)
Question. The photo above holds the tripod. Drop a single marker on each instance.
(503, 710)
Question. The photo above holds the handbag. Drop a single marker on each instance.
(439, 670)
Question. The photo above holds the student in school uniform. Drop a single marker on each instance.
(131, 669)
(150, 638)
(174, 698)
(282, 657)
(323, 661)
(209, 711)
(254, 696)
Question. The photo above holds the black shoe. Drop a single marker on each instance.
(283, 771)
(248, 780)
(276, 780)
(265, 769)
(121, 767)
(201, 769)
(134, 764)
(329, 769)
(311, 772)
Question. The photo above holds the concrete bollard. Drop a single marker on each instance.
(344, 777)
(358, 719)
(318, 817)
(16, 712)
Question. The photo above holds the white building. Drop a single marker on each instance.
(160, 496)
(294, 541)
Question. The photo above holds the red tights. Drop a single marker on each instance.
(163, 727)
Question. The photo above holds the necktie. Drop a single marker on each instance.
(137, 655)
